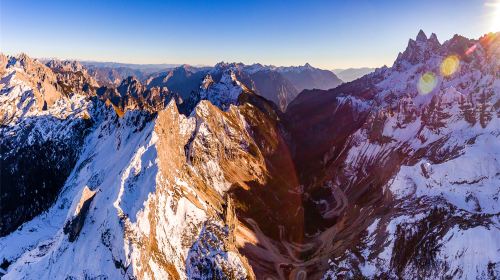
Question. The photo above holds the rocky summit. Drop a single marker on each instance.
(253, 172)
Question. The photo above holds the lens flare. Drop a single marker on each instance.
(449, 65)
(494, 15)
(427, 83)
(470, 50)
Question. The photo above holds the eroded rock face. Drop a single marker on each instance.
(74, 226)
(131, 94)
(72, 77)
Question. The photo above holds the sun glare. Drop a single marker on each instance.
(427, 83)
(449, 65)
(493, 7)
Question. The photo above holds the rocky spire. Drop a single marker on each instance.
(207, 82)
(433, 38)
(421, 37)
(130, 86)
(419, 50)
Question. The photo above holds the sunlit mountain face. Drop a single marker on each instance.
(214, 159)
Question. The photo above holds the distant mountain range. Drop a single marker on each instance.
(143, 67)
(114, 72)
(278, 84)
(351, 74)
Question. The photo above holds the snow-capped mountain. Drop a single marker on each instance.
(410, 190)
(131, 178)
(277, 84)
(282, 84)
(394, 175)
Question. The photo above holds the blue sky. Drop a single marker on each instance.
(327, 34)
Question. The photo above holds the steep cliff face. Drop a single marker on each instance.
(402, 194)
(394, 175)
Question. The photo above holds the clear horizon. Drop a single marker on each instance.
(328, 35)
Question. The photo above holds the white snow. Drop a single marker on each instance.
(471, 182)
(225, 92)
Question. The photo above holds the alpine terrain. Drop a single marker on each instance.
(253, 172)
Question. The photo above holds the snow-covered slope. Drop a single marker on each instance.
(146, 197)
(41, 133)
(445, 217)
(418, 178)
(224, 92)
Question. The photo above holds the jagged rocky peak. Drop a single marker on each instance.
(73, 77)
(419, 50)
(207, 82)
(31, 66)
(221, 66)
(65, 65)
(389, 131)
(421, 37)
(21, 60)
(39, 77)
(434, 39)
(131, 94)
(130, 86)
(55, 79)
(225, 65)
(225, 91)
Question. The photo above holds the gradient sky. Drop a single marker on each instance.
(327, 34)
